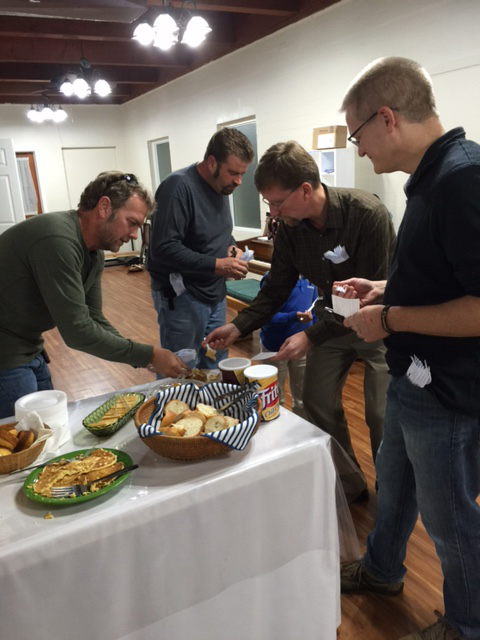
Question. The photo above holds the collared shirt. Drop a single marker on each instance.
(359, 224)
(438, 259)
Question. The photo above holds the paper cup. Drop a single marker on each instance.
(232, 370)
(267, 376)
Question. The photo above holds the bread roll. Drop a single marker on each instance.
(8, 440)
(231, 422)
(193, 426)
(25, 440)
(177, 406)
(207, 410)
(5, 452)
(216, 423)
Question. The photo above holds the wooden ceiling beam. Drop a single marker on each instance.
(29, 100)
(14, 27)
(69, 53)
(29, 89)
(116, 75)
(255, 7)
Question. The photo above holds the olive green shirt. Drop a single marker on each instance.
(48, 278)
(359, 224)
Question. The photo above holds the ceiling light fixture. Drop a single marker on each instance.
(81, 85)
(46, 112)
(172, 26)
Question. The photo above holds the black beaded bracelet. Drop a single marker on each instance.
(383, 319)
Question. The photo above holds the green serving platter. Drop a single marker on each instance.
(62, 502)
(100, 411)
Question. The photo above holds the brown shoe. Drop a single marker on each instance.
(440, 630)
(354, 577)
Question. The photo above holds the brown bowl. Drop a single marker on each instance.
(23, 458)
(176, 447)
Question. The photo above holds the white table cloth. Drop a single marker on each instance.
(242, 546)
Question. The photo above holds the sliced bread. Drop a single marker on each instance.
(216, 423)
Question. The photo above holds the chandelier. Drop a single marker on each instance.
(81, 84)
(46, 112)
(173, 26)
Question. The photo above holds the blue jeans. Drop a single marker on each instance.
(185, 326)
(18, 382)
(429, 462)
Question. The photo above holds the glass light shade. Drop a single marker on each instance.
(165, 42)
(47, 113)
(165, 24)
(102, 88)
(81, 88)
(32, 114)
(196, 31)
(166, 32)
(67, 88)
(144, 34)
(59, 115)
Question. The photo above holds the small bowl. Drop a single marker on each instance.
(23, 458)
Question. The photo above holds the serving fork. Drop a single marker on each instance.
(76, 490)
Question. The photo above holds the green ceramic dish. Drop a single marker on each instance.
(98, 414)
(59, 502)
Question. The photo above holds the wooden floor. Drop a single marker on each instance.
(127, 305)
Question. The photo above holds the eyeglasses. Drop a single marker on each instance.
(279, 203)
(352, 137)
(128, 177)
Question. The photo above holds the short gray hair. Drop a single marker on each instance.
(392, 82)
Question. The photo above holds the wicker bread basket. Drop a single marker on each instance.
(178, 448)
(23, 458)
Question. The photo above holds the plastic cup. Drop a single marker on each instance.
(232, 369)
(267, 376)
(188, 356)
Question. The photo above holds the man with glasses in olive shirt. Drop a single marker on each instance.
(50, 276)
(323, 232)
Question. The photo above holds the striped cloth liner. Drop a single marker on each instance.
(236, 437)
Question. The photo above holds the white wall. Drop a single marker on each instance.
(291, 82)
(295, 79)
(87, 126)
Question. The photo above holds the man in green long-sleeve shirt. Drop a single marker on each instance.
(50, 276)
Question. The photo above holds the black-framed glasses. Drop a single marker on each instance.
(279, 203)
(352, 139)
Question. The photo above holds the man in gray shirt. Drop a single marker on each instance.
(192, 249)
